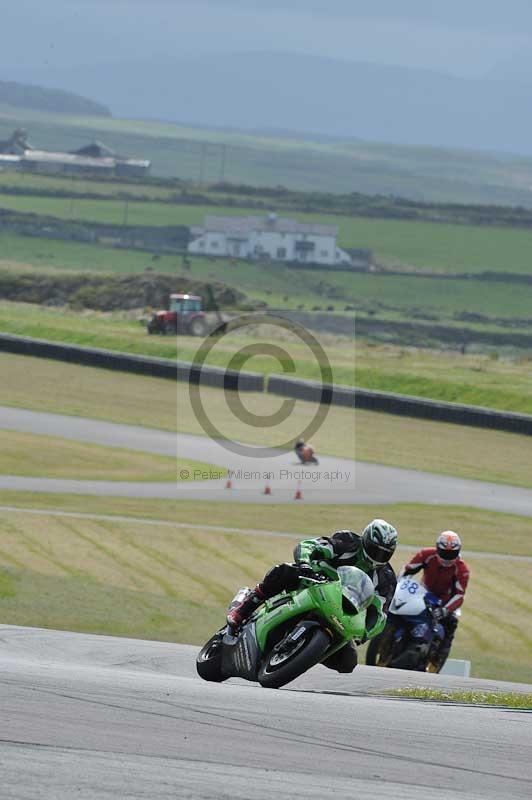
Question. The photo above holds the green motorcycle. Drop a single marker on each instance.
(294, 631)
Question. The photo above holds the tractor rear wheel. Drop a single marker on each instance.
(198, 327)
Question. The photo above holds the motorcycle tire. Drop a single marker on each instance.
(380, 648)
(410, 658)
(373, 651)
(273, 675)
(209, 660)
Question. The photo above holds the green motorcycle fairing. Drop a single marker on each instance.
(325, 602)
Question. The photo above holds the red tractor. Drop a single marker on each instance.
(185, 316)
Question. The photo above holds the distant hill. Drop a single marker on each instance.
(313, 94)
(516, 68)
(22, 95)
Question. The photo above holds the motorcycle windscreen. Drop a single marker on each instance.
(408, 599)
(357, 587)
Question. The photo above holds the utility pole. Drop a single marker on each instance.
(202, 162)
(224, 159)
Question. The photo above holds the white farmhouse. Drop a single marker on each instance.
(271, 237)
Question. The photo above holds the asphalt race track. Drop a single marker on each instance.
(95, 717)
(352, 481)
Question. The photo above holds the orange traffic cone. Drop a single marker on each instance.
(299, 493)
(229, 484)
(267, 489)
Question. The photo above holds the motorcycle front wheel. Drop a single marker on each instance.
(209, 660)
(288, 661)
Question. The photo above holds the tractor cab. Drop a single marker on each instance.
(185, 303)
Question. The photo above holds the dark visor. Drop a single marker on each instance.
(448, 555)
(377, 553)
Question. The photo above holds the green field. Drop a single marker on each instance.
(417, 523)
(383, 297)
(475, 379)
(128, 578)
(36, 456)
(421, 245)
(54, 253)
(368, 436)
(482, 313)
(77, 185)
(336, 166)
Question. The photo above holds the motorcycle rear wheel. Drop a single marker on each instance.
(276, 671)
(411, 657)
(373, 653)
(209, 660)
(380, 649)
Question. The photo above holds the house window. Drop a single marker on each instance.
(324, 253)
(281, 252)
(214, 244)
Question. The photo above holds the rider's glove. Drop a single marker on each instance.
(306, 571)
(439, 613)
(288, 574)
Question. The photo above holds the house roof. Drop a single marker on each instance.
(96, 150)
(246, 225)
(17, 143)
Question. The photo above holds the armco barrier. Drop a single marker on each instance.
(124, 362)
(313, 391)
(289, 387)
(401, 404)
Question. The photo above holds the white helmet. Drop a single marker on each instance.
(379, 540)
(448, 546)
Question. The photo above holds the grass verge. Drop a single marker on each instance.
(33, 455)
(482, 531)
(505, 699)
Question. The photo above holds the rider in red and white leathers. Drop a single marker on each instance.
(446, 575)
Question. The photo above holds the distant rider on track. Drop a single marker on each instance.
(305, 452)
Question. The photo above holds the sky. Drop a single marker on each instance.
(468, 38)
